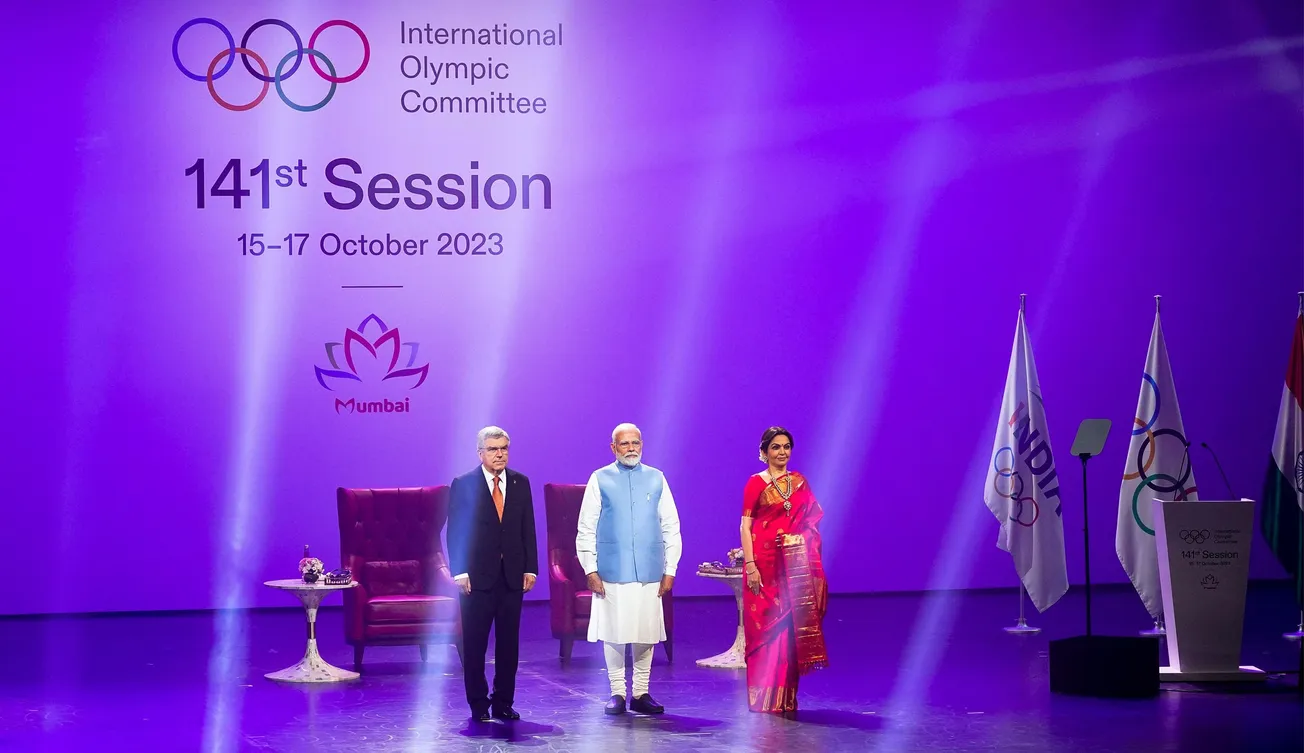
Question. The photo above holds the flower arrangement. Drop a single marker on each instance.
(311, 569)
(734, 566)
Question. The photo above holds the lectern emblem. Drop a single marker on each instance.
(1209, 582)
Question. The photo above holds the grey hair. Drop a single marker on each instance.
(624, 428)
(490, 432)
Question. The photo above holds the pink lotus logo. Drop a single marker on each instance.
(388, 348)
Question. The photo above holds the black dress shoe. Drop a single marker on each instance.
(507, 714)
(480, 716)
(646, 704)
(615, 706)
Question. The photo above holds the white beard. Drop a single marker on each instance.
(630, 461)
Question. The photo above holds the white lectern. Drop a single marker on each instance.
(1204, 567)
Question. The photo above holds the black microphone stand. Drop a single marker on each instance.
(1231, 495)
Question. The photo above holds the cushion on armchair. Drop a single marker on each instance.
(412, 609)
(391, 578)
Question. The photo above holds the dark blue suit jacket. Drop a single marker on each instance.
(479, 544)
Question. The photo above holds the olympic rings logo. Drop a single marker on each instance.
(1019, 503)
(1145, 457)
(1146, 426)
(268, 77)
(1193, 537)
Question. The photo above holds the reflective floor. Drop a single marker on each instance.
(909, 672)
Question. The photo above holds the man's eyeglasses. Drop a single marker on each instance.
(630, 445)
(495, 450)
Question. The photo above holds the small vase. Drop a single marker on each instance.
(311, 576)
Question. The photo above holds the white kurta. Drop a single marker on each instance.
(630, 612)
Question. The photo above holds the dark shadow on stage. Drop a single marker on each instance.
(516, 733)
(437, 665)
(402, 669)
(833, 718)
(583, 662)
(669, 723)
(1277, 684)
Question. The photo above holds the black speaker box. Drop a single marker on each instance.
(1105, 666)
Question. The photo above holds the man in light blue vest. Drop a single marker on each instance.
(628, 544)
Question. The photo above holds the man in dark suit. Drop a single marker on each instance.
(492, 550)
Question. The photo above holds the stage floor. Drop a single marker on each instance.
(909, 672)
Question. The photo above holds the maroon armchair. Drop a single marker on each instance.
(405, 595)
(568, 590)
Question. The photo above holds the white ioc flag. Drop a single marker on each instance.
(1022, 490)
(1158, 467)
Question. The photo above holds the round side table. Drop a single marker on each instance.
(311, 668)
(736, 656)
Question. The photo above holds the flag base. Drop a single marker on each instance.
(1245, 673)
(1022, 628)
(1105, 666)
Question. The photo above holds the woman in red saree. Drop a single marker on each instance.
(786, 592)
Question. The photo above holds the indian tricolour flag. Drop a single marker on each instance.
(1283, 490)
(1158, 467)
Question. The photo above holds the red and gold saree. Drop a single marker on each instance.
(783, 624)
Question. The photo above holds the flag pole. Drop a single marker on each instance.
(1021, 627)
(1298, 633)
(1299, 575)
(1158, 629)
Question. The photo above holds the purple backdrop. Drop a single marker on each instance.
(812, 214)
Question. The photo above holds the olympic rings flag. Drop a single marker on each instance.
(269, 76)
(1022, 489)
(1158, 467)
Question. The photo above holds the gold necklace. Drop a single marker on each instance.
(787, 501)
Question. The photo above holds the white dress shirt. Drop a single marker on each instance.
(502, 482)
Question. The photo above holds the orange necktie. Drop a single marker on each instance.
(498, 499)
